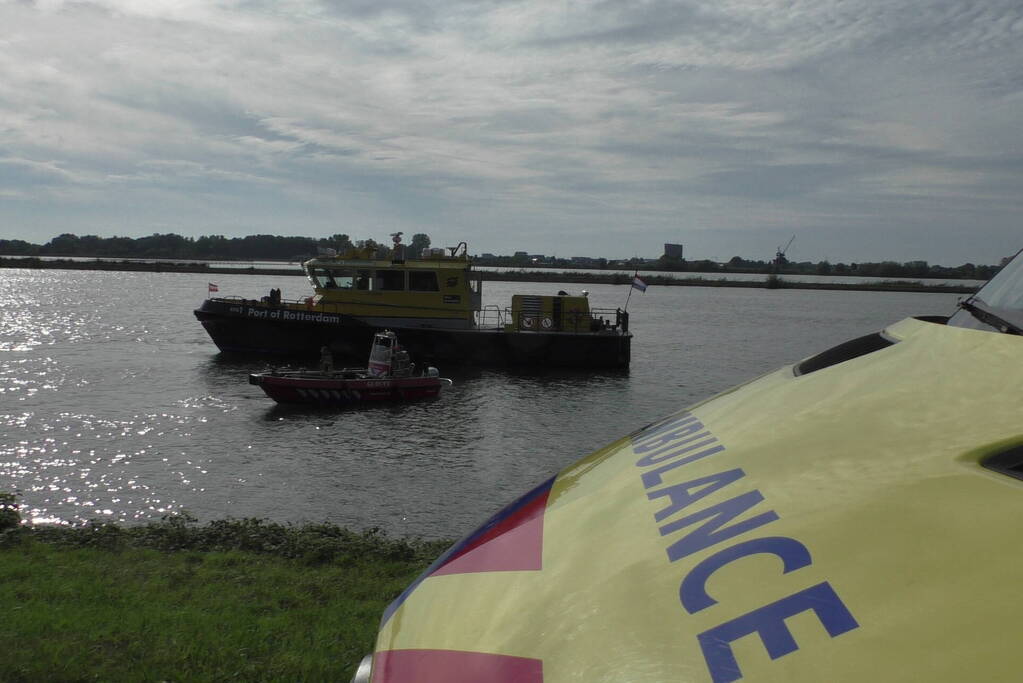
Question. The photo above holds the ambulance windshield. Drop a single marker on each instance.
(998, 305)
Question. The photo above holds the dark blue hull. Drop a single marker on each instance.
(264, 329)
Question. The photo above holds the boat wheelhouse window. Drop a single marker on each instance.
(363, 278)
(423, 281)
(321, 278)
(332, 279)
(342, 279)
(390, 280)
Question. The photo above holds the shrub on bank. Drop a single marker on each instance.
(10, 519)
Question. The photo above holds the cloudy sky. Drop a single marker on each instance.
(869, 129)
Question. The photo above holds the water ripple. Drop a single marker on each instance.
(115, 405)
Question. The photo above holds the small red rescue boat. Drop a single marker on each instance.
(389, 377)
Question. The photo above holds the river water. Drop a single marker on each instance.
(115, 404)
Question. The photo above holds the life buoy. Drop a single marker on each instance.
(528, 321)
(547, 323)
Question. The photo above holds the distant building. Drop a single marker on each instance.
(673, 251)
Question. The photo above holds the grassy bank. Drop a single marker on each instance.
(241, 600)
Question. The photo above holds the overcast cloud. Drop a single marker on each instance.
(870, 130)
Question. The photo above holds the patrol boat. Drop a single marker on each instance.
(389, 376)
(433, 301)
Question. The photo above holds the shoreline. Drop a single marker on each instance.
(286, 602)
(715, 279)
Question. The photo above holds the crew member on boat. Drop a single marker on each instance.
(326, 359)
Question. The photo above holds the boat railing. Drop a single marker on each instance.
(306, 301)
(601, 320)
(357, 307)
(491, 315)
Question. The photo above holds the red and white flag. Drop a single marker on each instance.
(213, 287)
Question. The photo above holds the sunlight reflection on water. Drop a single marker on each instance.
(114, 404)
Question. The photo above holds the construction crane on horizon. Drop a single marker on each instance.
(779, 257)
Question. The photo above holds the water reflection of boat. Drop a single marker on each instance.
(389, 376)
(433, 301)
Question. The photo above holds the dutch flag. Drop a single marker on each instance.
(637, 283)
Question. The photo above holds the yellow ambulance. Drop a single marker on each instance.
(854, 517)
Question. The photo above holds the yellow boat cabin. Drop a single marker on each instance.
(436, 290)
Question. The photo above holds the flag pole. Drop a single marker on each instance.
(630, 291)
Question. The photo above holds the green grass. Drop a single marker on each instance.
(241, 600)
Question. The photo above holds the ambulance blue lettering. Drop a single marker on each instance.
(693, 591)
(710, 533)
(680, 497)
(678, 442)
(653, 477)
(669, 452)
(769, 622)
(651, 431)
(645, 446)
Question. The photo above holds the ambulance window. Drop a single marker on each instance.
(390, 280)
(425, 281)
(998, 305)
(1005, 290)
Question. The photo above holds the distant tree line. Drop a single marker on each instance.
(737, 264)
(883, 269)
(211, 248)
(278, 248)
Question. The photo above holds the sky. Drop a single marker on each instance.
(868, 130)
